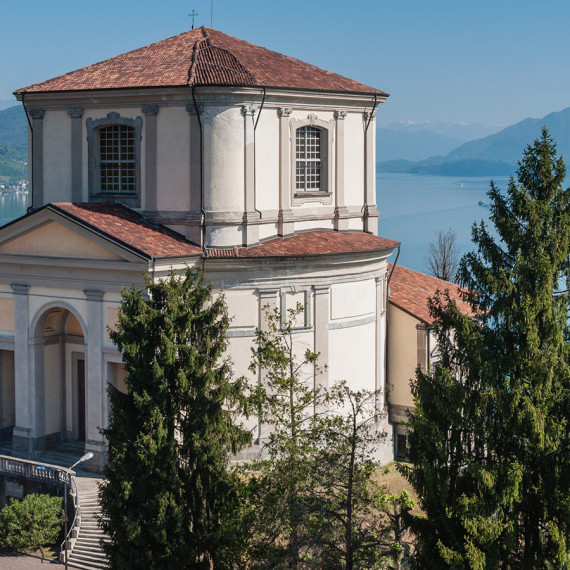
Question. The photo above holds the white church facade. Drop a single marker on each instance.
(200, 150)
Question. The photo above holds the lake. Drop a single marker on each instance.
(412, 208)
(12, 205)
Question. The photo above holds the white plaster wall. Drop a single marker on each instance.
(223, 133)
(267, 161)
(52, 391)
(242, 308)
(352, 356)
(314, 225)
(355, 224)
(267, 231)
(356, 299)
(354, 159)
(57, 156)
(173, 161)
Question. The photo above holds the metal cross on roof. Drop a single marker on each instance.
(193, 14)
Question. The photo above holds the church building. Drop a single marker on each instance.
(199, 150)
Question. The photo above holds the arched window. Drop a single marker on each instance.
(117, 160)
(310, 151)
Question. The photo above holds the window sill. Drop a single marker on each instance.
(302, 197)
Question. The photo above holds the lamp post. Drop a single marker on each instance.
(87, 456)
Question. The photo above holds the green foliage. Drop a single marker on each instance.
(489, 438)
(313, 502)
(31, 524)
(169, 499)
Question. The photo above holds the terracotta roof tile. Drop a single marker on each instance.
(203, 57)
(410, 290)
(129, 228)
(310, 243)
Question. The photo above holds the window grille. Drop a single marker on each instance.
(117, 159)
(309, 159)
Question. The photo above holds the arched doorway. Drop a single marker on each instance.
(60, 377)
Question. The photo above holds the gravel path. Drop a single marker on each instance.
(19, 562)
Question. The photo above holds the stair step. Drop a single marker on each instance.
(100, 561)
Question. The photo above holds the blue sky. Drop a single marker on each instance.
(494, 62)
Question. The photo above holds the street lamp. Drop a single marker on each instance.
(87, 456)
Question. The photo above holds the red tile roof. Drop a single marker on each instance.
(310, 243)
(409, 290)
(129, 228)
(202, 57)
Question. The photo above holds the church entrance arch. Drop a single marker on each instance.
(59, 363)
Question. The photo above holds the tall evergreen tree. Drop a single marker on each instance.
(168, 499)
(489, 439)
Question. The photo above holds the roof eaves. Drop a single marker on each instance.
(99, 232)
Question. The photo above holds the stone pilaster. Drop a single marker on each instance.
(250, 215)
(269, 300)
(370, 211)
(150, 199)
(380, 383)
(286, 224)
(195, 158)
(341, 211)
(75, 114)
(95, 391)
(321, 320)
(25, 394)
(37, 166)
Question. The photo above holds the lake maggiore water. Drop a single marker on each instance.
(412, 208)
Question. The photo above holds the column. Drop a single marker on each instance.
(341, 211)
(250, 216)
(75, 114)
(95, 391)
(380, 384)
(151, 155)
(22, 437)
(370, 211)
(37, 166)
(321, 320)
(286, 223)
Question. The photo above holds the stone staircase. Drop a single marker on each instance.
(87, 551)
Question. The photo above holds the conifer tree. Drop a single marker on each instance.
(489, 438)
(169, 499)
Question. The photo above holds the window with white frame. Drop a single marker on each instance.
(309, 153)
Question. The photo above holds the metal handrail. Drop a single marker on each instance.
(44, 473)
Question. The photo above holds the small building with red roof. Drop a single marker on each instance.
(410, 339)
(199, 150)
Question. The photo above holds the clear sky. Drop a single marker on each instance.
(494, 62)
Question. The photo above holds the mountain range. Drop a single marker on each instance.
(494, 155)
(13, 145)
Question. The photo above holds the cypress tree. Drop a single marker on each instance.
(489, 436)
(168, 499)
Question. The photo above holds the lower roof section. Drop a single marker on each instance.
(319, 242)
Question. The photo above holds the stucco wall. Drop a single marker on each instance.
(402, 355)
(7, 386)
(173, 160)
(57, 156)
